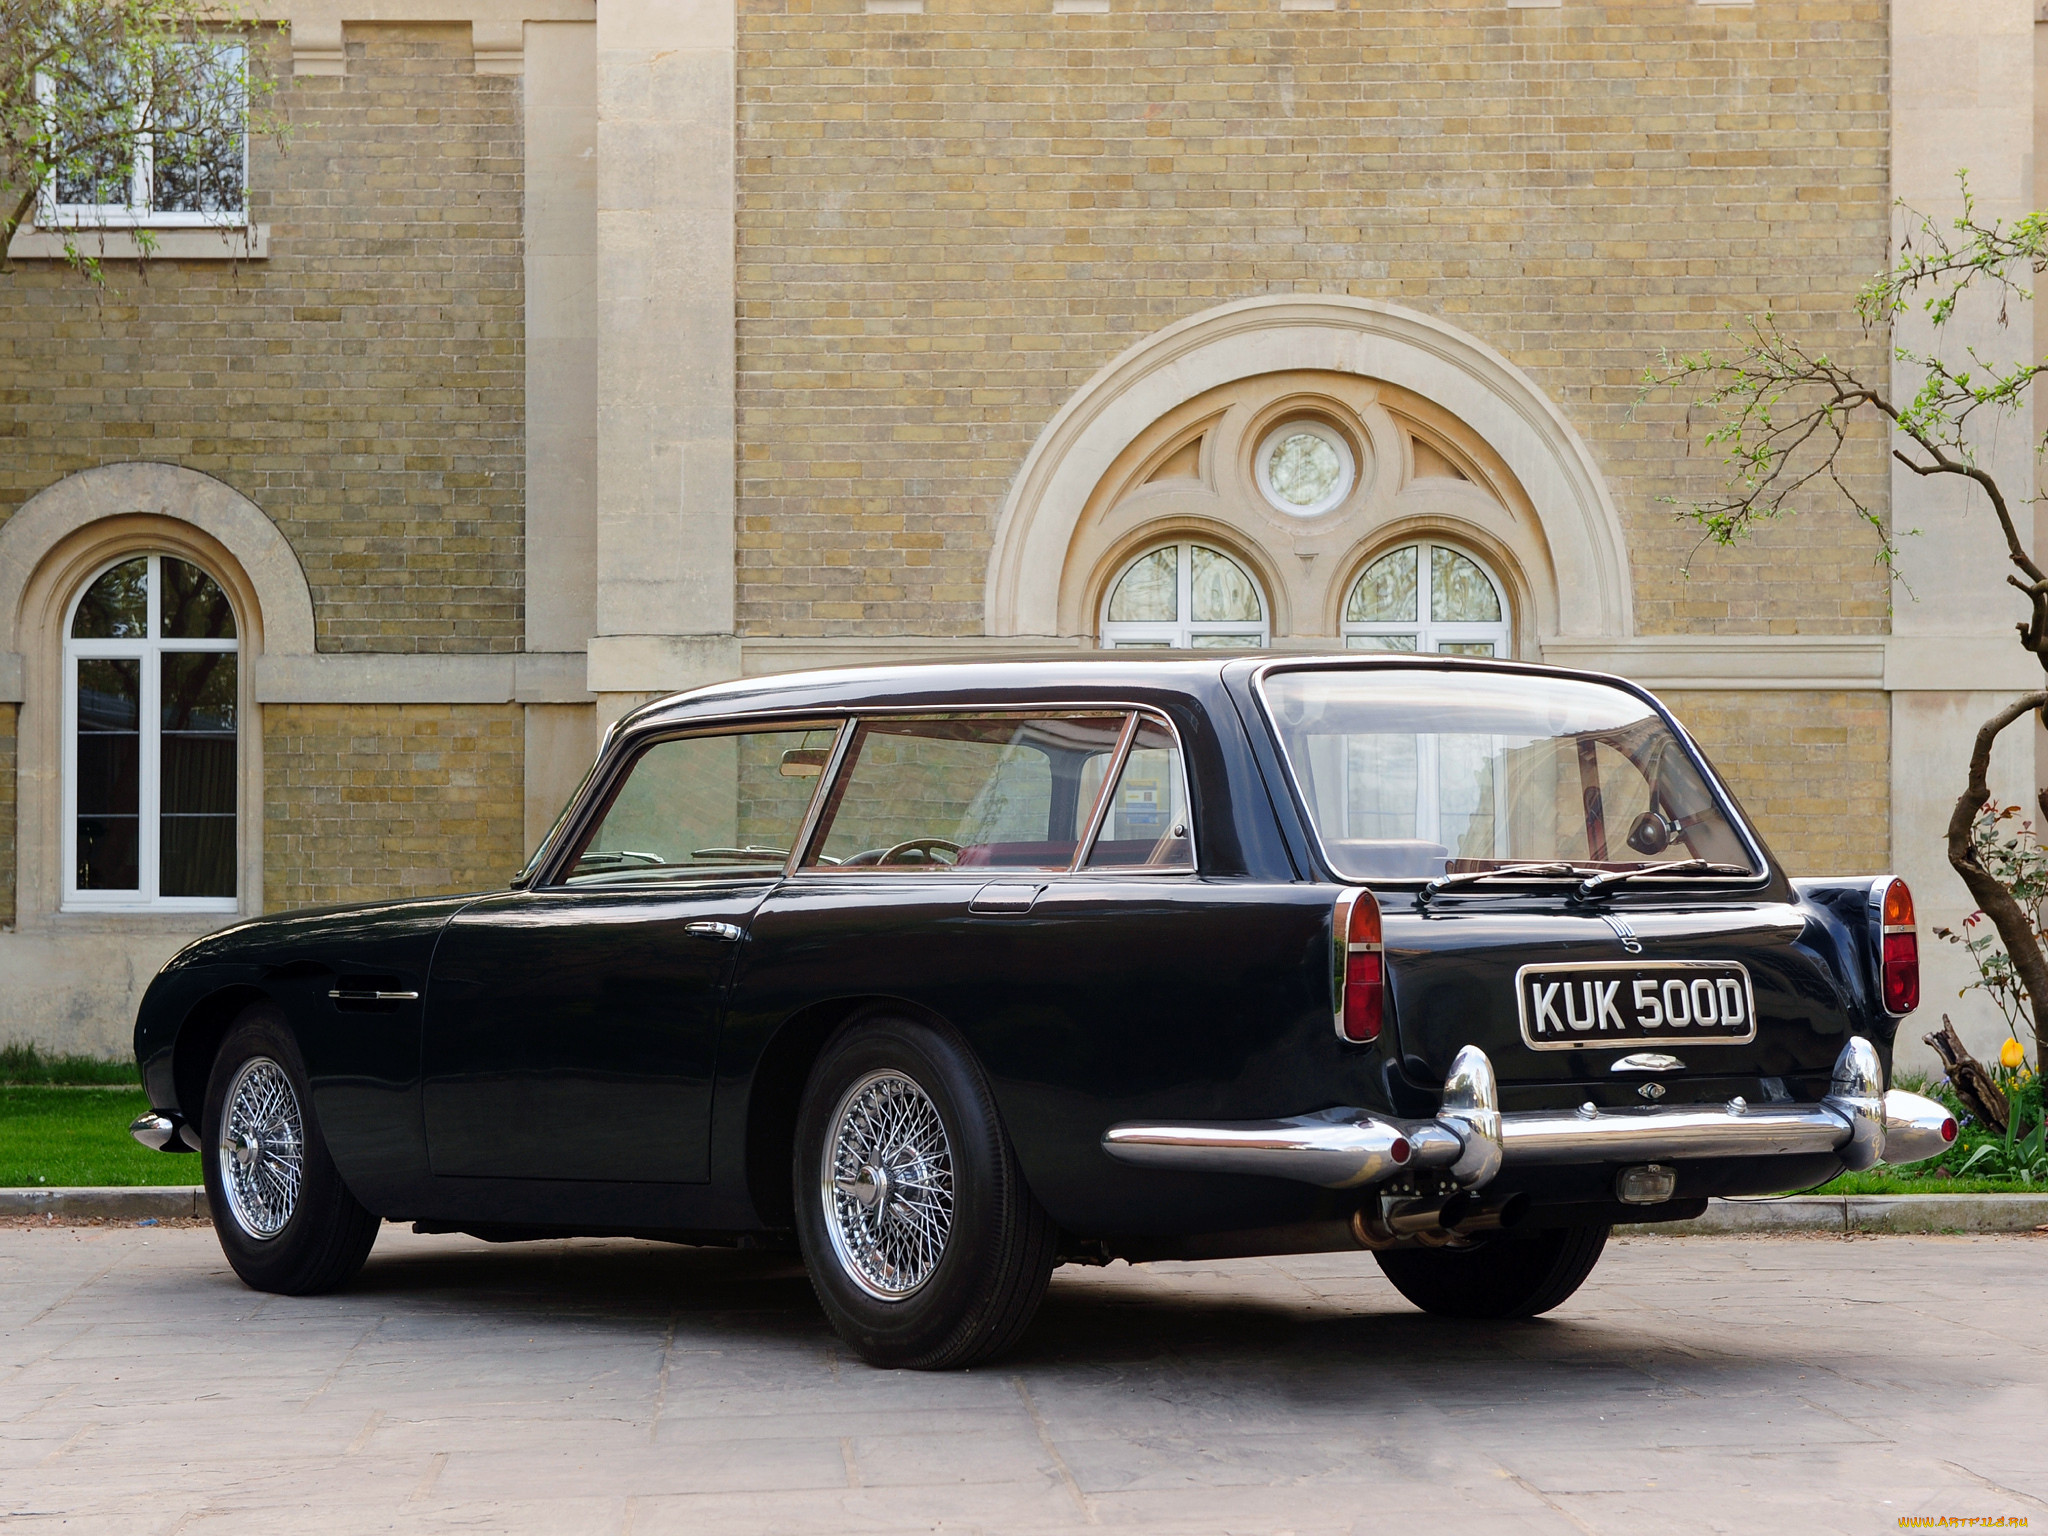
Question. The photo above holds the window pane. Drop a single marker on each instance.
(116, 607)
(1459, 592)
(197, 774)
(925, 794)
(1146, 824)
(1225, 642)
(1148, 594)
(1303, 468)
(1385, 594)
(95, 149)
(1223, 593)
(706, 805)
(1464, 648)
(197, 163)
(1380, 642)
(194, 607)
(109, 765)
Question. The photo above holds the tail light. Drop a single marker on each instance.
(1361, 976)
(1898, 948)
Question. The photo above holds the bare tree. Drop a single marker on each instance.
(1782, 415)
(117, 112)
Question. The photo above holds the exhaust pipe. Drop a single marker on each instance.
(1469, 1211)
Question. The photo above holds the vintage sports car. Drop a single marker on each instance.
(950, 974)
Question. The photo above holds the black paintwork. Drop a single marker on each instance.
(580, 1062)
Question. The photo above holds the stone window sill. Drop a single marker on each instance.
(246, 243)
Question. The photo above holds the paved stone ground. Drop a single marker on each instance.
(1695, 1384)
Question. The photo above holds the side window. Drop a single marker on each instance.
(706, 805)
(1008, 791)
(1145, 825)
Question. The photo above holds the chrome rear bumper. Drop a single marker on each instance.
(1472, 1140)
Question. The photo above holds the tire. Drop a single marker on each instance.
(942, 1260)
(296, 1242)
(1505, 1277)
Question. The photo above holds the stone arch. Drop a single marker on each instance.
(1570, 546)
(52, 521)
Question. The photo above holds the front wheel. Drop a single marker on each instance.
(285, 1220)
(1501, 1277)
(923, 1242)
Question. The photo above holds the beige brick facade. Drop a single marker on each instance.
(1811, 769)
(949, 221)
(363, 385)
(600, 351)
(361, 803)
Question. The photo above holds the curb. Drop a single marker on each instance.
(1793, 1213)
(108, 1203)
(1865, 1213)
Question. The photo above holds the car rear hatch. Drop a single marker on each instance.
(1559, 1000)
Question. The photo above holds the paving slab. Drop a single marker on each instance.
(1737, 1384)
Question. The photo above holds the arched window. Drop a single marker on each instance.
(1187, 597)
(150, 707)
(1427, 597)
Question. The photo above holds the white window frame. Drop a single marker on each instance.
(1181, 632)
(149, 650)
(1429, 635)
(138, 212)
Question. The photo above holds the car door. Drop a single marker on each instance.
(572, 1030)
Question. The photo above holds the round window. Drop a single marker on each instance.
(1305, 468)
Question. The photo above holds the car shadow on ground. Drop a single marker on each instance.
(1210, 1326)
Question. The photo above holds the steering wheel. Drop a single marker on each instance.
(921, 844)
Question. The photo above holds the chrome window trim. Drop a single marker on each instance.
(1132, 712)
(1396, 661)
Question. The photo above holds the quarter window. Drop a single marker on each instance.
(699, 806)
(151, 707)
(1185, 597)
(1427, 597)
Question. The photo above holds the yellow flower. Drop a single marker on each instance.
(2012, 1054)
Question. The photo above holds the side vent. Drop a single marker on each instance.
(371, 994)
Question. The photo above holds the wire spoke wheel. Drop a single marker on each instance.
(262, 1147)
(888, 1185)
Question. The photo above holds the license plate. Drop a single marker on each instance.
(1617, 1002)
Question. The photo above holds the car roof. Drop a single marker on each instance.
(1090, 677)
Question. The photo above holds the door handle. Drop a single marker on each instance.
(1005, 896)
(725, 933)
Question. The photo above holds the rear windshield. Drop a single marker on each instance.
(1415, 773)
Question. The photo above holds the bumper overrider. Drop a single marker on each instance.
(1470, 1140)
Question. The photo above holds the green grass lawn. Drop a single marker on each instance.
(58, 1136)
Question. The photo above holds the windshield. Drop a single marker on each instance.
(1410, 774)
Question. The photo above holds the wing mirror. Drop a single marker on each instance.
(804, 762)
(1650, 833)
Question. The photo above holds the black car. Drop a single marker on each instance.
(950, 974)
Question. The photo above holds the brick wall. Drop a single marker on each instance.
(948, 222)
(364, 386)
(1813, 770)
(361, 802)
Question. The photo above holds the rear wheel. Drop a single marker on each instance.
(1502, 1277)
(285, 1220)
(924, 1244)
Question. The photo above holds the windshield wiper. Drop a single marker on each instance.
(1444, 883)
(1614, 877)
